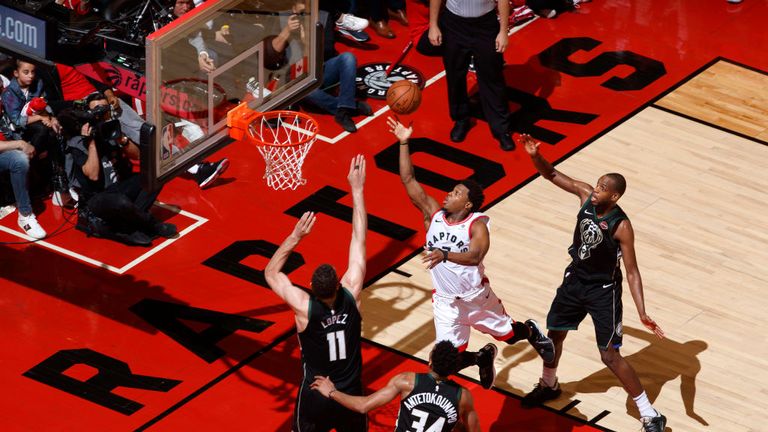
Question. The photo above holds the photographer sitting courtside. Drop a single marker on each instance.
(112, 203)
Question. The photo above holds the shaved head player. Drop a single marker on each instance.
(592, 284)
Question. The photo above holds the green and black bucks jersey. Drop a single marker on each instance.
(430, 407)
(330, 345)
(596, 254)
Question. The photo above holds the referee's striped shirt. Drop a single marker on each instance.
(470, 8)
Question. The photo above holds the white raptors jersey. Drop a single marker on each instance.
(450, 279)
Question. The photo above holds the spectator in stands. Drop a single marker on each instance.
(112, 202)
(37, 126)
(14, 158)
(206, 61)
(339, 70)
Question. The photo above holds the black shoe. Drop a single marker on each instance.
(166, 230)
(540, 394)
(208, 172)
(542, 344)
(460, 130)
(485, 360)
(654, 424)
(90, 224)
(136, 238)
(364, 109)
(344, 118)
(507, 143)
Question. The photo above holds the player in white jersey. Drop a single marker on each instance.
(457, 241)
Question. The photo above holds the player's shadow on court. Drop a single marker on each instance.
(283, 362)
(418, 337)
(82, 285)
(662, 361)
(522, 353)
(511, 414)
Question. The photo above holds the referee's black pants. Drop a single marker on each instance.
(466, 37)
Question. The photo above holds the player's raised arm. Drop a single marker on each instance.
(399, 384)
(416, 193)
(354, 277)
(545, 168)
(626, 238)
(296, 298)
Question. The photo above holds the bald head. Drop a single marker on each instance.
(618, 182)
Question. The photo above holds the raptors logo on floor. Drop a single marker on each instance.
(373, 82)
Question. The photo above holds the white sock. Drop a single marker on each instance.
(193, 169)
(644, 406)
(549, 376)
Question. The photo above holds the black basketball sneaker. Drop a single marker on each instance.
(654, 424)
(485, 360)
(542, 344)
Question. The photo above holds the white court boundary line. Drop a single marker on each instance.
(118, 270)
(385, 108)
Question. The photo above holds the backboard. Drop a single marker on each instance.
(214, 57)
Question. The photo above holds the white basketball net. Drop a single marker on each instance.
(284, 138)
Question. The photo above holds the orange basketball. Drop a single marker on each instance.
(404, 97)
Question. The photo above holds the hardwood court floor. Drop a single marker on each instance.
(81, 316)
(701, 244)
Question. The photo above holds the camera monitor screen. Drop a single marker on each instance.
(215, 57)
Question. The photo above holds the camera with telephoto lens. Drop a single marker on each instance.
(105, 127)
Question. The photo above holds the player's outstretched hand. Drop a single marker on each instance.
(652, 326)
(399, 130)
(323, 384)
(304, 225)
(530, 144)
(356, 174)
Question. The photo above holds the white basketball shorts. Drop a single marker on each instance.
(483, 311)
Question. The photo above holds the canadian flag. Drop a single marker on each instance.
(298, 68)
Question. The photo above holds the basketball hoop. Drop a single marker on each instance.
(283, 138)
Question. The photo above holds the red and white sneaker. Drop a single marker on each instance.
(520, 14)
(31, 227)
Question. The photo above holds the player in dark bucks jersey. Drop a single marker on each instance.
(592, 284)
(328, 320)
(457, 241)
(429, 402)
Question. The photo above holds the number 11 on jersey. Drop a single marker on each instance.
(334, 339)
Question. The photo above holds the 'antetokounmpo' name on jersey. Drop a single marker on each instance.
(433, 399)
